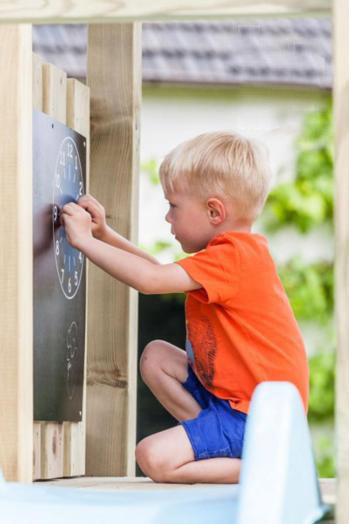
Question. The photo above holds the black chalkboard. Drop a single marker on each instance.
(59, 176)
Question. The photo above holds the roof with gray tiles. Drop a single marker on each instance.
(264, 52)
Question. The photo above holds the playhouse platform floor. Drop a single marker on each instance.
(327, 485)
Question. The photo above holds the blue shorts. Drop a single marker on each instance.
(218, 430)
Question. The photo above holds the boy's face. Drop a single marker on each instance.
(189, 221)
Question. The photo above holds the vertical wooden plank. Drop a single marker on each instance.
(55, 92)
(54, 96)
(341, 105)
(37, 82)
(115, 83)
(16, 292)
(52, 452)
(37, 450)
(78, 118)
(37, 104)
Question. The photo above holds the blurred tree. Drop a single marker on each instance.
(305, 203)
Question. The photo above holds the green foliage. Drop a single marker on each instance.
(151, 169)
(309, 289)
(305, 203)
(308, 200)
(322, 386)
(324, 453)
(157, 247)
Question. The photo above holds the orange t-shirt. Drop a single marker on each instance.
(240, 326)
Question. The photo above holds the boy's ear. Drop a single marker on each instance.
(216, 211)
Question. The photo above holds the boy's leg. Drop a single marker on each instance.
(164, 367)
(167, 456)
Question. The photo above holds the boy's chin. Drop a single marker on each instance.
(190, 248)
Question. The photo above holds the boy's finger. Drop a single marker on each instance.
(69, 209)
(89, 208)
(87, 198)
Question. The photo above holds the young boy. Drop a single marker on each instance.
(240, 326)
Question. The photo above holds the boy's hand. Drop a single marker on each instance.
(77, 223)
(97, 212)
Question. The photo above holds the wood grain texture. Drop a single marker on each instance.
(52, 450)
(37, 82)
(36, 450)
(115, 84)
(78, 118)
(62, 11)
(341, 105)
(54, 103)
(16, 255)
(38, 103)
(54, 92)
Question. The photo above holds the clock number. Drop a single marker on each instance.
(62, 158)
(80, 188)
(76, 161)
(57, 248)
(70, 150)
(76, 278)
(69, 285)
(62, 276)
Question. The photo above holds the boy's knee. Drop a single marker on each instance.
(150, 358)
(148, 460)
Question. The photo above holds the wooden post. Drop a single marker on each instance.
(341, 99)
(16, 254)
(78, 118)
(114, 77)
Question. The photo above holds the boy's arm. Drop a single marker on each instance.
(113, 238)
(130, 268)
(134, 270)
(102, 231)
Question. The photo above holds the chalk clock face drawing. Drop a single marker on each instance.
(71, 353)
(59, 276)
(68, 187)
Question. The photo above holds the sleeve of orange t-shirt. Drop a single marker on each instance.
(216, 268)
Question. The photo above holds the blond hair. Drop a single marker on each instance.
(221, 164)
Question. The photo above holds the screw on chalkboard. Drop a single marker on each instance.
(52, 125)
(56, 218)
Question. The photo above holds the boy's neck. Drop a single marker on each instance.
(244, 227)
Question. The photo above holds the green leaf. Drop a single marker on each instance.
(150, 168)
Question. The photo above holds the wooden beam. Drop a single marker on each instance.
(78, 118)
(115, 84)
(341, 112)
(93, 11)
(16, 254)
(54, 103)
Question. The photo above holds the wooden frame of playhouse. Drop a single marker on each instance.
(114, 87)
